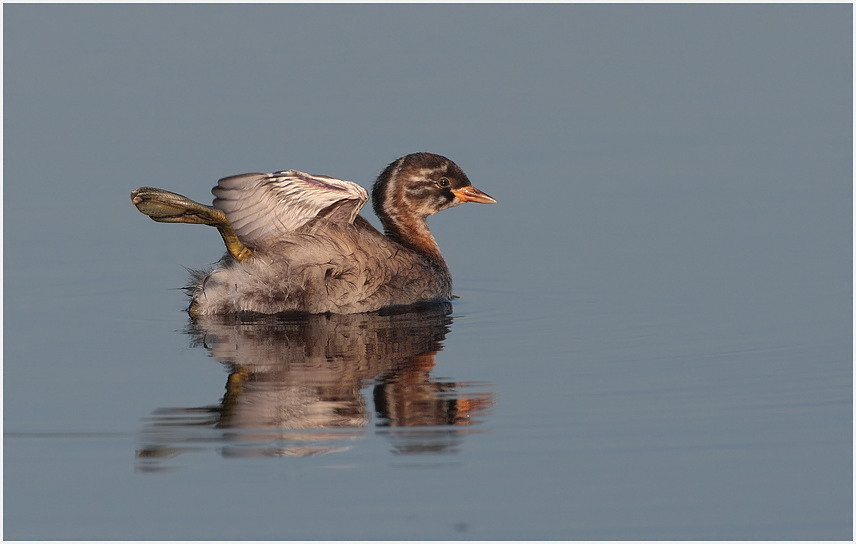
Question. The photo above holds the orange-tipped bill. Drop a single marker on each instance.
(471, 194)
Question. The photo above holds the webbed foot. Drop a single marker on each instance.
(166, 207)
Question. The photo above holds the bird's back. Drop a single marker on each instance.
(324, 266)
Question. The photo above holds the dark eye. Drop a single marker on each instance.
(443, 182)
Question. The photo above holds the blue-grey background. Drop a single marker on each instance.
(661, 300)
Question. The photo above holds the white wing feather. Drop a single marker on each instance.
(261, 207)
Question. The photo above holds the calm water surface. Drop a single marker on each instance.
(652, 335)
(296, 384)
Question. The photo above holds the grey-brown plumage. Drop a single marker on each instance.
(309, 250)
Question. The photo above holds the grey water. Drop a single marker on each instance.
(651, 336)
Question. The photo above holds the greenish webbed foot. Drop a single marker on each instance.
(166, 207)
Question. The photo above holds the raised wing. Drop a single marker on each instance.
(261, 207)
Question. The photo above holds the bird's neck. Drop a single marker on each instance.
(411, 232)
(402, 222)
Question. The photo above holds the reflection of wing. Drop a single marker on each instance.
(263, 206)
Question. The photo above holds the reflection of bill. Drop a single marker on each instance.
(295, 385)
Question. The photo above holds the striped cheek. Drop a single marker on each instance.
(427, 199)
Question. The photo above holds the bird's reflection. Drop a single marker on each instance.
(295, 387)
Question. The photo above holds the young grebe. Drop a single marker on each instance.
(296, 242)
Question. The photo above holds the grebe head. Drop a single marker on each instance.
(422, 184)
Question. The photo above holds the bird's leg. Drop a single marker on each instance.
(166, 207)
